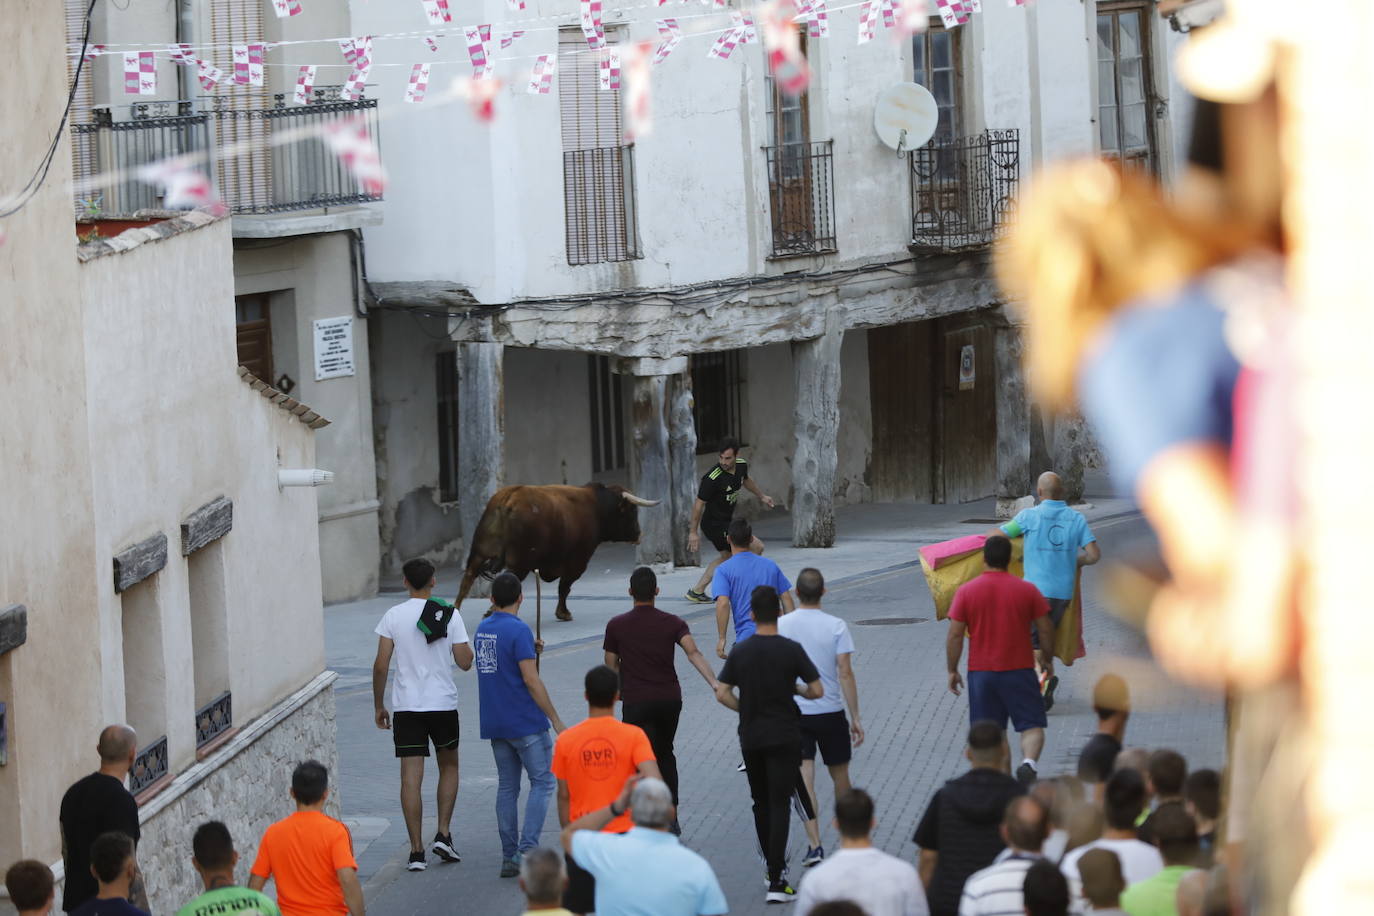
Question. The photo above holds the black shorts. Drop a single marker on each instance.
(830, 732)
(715, 533)
(580, 895)
(412, 732)
(1058, 606)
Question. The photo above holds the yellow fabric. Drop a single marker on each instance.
(945, 581)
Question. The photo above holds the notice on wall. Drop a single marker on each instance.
(333, 348)
(965, 367)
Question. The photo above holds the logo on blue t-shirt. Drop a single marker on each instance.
(484, 649)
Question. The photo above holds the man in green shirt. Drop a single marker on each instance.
(1175, 834)
(214, 858)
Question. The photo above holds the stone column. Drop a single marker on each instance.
(649, 454)
(816, 418)
(481, 431)
(682, 465)
(1013, 422)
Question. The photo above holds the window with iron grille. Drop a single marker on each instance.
(800, 190)
(446, 388)
(1124, 94)
(608, 415)
(598, 166)
(718, 396)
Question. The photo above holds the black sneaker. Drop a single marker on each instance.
(417, 861)
(510, 868)
(697, 597)
(1052, 683)
(780, 892)
(813, 856)
(444, 849)
(1025, 774)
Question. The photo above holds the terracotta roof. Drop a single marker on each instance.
(284, 401)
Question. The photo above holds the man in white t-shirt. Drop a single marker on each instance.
(1122, 803)
(427, 638)
(828, 644)
(880, 884)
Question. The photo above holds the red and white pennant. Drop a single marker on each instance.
(419, 83)
(351, 142)
(284, 8)
(358, 52)
(590, 20)
(541, 77)
(610, 69)
(140, 73)
(436, 11)
(305, 84)
(248, 64)
(478, 38)
(672, 35)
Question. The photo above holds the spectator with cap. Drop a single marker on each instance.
(1164, 778)
(114, 869)
(1157, 895)
(1044, 891)
(647, 871)
(543, 882)
(1103, 882)
(1122, 804)
(1112, 704)
(31, 887)
(960, 830)
(213, 857)
(1202, 799)
(1000, 887)
(859, 873)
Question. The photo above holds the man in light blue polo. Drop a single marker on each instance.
(1058, 541)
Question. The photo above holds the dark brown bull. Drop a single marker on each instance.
(552, 529)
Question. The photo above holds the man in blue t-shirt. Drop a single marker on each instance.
(735, 581)
(1058, 542)
(515, 715)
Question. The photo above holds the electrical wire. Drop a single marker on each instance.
(40, 174)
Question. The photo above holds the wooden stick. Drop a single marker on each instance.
(538, 616)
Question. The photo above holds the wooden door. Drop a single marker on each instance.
(253, 328)
(901, 398)
(967, 409)
(1125, 84)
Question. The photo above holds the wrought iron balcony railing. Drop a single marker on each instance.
(252, 175)
(599, 205)
(801, 198)
(962, 191)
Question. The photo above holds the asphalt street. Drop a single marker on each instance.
(915, 727)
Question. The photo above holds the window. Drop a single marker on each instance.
(1125, 126)
(446, 386)
(800, 190)
(936, 54)
(608, 415)
(209, 642)
(717, 393)
(145, 679)
(253, 327)
(598, 168)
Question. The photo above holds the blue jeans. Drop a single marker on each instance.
(534, 753)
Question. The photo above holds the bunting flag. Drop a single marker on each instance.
(668, 28)
(431, 41)
(350, 141)
(724, 45)
(355, 48)
(358, 52)
(744, 24)
(478, 38)
(284, 8)
(814, 14)
(541, 78)
(183, 188)
(638, 114)
(590, 20)
(782, 43)
(436, 11)
(515, 6)
(610, 69)
(419, 82)
(481, 95)
(92, 52)
(952, 13)
(868, 20)
(248, 64)
(209, 75)
(305, 85)
(140, 73)
(182, 54)
(508, 37)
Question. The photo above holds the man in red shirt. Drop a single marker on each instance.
(996, 610)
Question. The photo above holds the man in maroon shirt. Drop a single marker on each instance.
(639, 644)
(996, 610)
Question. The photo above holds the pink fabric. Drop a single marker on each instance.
(937, 555)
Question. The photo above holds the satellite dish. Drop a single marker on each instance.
(905, 116)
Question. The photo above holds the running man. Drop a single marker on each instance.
(715, 507)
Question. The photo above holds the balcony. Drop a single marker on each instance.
(599, 205)
(252, 176)
(962, 191)
(801, 198)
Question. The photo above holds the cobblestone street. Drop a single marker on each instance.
(915, 727)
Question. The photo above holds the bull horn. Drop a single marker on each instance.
(640, 500)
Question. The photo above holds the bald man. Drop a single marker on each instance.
(1058, 542)
(97, 804)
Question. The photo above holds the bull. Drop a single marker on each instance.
(553, 530)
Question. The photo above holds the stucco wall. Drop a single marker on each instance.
(310, 279)
(49, 562)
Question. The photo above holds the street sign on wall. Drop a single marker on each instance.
(333, 348)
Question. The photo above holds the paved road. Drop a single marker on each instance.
(915, 730)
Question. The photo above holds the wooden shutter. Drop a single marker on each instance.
(591, 116)
(245, 179)
(76, 27)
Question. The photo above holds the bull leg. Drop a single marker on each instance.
(564, 587)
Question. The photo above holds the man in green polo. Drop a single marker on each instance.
(1176, 835)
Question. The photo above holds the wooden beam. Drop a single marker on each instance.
(14, 627)
(208, 523)
(134, 564)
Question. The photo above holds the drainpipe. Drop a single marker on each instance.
(187, 81)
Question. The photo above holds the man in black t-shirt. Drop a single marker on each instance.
(766, 667)
(1112, 703)
(715, 507)
(98, 804)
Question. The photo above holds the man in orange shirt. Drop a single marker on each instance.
(309, 854)
(592, 760)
